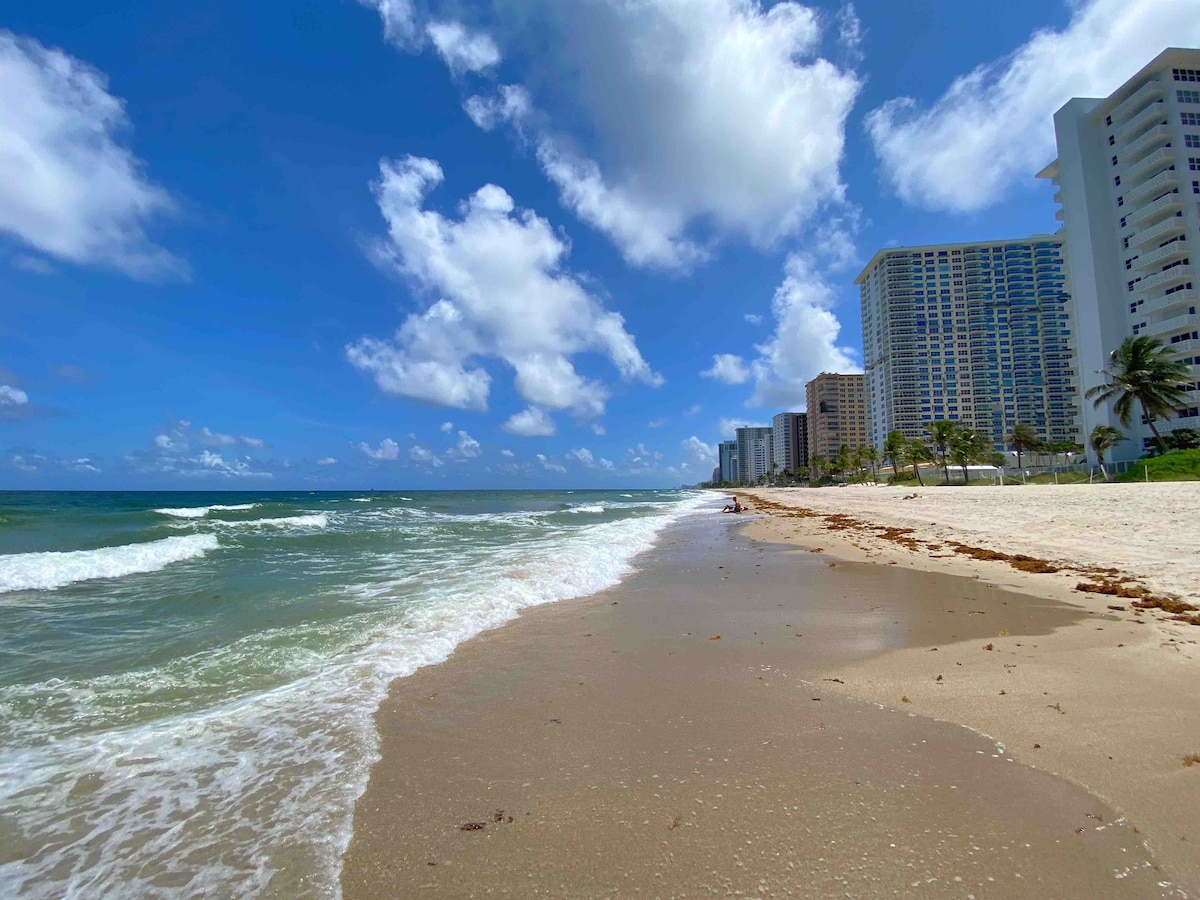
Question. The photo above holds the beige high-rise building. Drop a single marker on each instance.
(837, 413)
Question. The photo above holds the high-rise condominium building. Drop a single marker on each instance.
(1128, 172)
(728, 460)
(837, 414)
(754, 452)
(977, 333)
(789, 432)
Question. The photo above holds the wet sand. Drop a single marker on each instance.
(681, 735)
(1111, 703)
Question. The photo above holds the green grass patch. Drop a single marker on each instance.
(1177, 465)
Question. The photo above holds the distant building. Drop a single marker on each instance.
(1128, 173)
(978, 333)
(837, 413)
(728, 461)
(755, 453)
(789, 435)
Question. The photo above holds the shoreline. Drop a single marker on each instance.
(682, 733)
(1111, 702)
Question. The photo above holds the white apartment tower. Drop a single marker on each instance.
(1128, 173)
(789, 434)
(977, 333)
(754, 453)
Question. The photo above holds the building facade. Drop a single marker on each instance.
(837, 414)
(789, 433)
(978, 333)
(728, 461)
(755, 453)
(1128, 173)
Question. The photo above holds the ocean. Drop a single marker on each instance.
(188, 680)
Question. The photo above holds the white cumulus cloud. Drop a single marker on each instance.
(697, 453)
(463, 49)
(387, 450)
(728, 368)
(11, 396)
(327, 461)
(399, 21)
(68, 186)
(424, 456)
(655, 119)
(804, 342)
(466, 448)
(494, 271)
(993, 127)
(531, 422)
(550, 465)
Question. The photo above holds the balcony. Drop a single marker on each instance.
(1156, 234)
(1178, 273)
(1152, 212)
(1161, 255)
(1148, 93)
(1163, 181)
(1150, 163)
(1159, 134)
(1180, 322)
(1151, 115)
(1170, 301)
(1185, 348)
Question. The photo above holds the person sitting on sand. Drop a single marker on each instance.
(734, 507)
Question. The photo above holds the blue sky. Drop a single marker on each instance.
(429, 243)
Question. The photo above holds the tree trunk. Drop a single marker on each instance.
(917, 472)
(964, 468)
(1162, 446)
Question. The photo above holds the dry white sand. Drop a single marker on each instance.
(1150, 531)
(1111, 703)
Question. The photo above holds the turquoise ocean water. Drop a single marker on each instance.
(188, 680)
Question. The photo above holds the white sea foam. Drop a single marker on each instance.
(311, 520)
(589, 508)
(54, 569)
(229, 795)
(199, 512)
(360, 499)
(630, 496)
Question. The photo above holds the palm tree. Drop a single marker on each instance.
(1102, 439)
(914, 453)
(941, 432)
(870, 455)
(966, 447)
(1142, 370)
(1022, 439)
(893, 447)
(817, 465)
(841, 460)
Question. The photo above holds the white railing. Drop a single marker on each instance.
(1180, 322)
(1161, 155)
(1158, 304)
(1161, 255)
(1163, 181)
(1152, 210)
(1134, 126)
(1154, 233)
(1145, 141)
(1178, 273)
(1151, 90)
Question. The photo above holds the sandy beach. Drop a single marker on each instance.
(744, 718)
(1111, 704)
